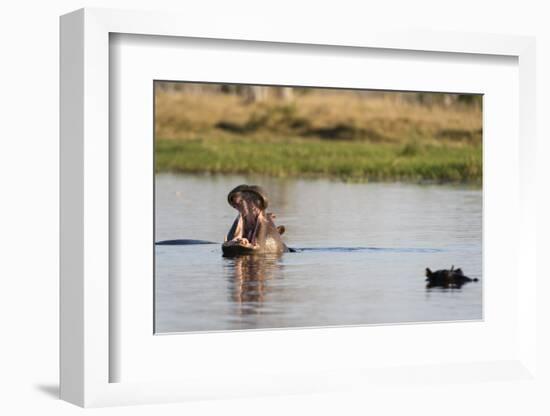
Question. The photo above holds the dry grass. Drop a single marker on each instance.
(338, 115)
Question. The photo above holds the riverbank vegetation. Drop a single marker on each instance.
(349, 135)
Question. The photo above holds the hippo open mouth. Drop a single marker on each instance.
(253, 231)
(251, 202)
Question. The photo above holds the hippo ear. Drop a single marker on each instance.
(281, 229)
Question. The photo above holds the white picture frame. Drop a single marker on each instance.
(87, 301)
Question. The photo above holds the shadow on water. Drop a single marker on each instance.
(248, 280)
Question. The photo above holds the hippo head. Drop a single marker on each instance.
(253, 231)
(245, 198)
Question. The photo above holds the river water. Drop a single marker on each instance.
(362, 253)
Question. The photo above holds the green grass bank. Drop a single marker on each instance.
(344, 160)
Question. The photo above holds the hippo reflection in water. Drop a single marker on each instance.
(253, 231)
(249, 280)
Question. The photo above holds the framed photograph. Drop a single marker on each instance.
(343, 198)
(265, 213)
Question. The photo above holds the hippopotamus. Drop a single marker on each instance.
(253, 231)
(453, 278)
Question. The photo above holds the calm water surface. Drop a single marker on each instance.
(364, 249)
